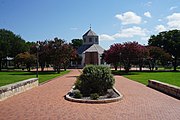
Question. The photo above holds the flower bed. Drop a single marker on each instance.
(113, 95)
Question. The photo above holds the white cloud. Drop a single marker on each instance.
(146, 38)
(174, 21)
(106, 37)
(147, 14)
(159, 20)
(129, 18)
(126, 33)
(130, 32)
(148, 4)
(173, 7)
(160, 28)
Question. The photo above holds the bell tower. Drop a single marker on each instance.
(90, 38)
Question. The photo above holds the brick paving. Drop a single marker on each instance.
(47, 102)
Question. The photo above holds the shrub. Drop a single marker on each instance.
(77, 94)
(94, 96)
(95, 79)
(77, 83)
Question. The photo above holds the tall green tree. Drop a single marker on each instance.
(42, 49)
(25, 59)
(157, 55)
(56, 53)
(10, 44)
(30, 45)
(76, 43)
(170, 42)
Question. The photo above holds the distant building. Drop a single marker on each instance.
(90, 52)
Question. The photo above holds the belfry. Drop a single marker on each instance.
(90, 52)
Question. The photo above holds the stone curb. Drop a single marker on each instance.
(168, 89)
(18, 87)
(109, 100)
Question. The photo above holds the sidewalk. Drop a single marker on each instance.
(47, 102)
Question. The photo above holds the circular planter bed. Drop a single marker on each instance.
(113, 95)
(94, 85)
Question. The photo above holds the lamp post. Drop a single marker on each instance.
(120, 60)
(37, 48)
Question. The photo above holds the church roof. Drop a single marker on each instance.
(90, 33)
(82, 48)
(95, 48)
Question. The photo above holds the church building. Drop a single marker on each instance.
(90, 52)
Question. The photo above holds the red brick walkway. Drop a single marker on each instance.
(47, 102)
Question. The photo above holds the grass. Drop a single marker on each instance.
(15, 76)
(172, 78)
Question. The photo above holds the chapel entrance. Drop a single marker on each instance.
(91, 58)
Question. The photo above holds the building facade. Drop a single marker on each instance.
(90, 52)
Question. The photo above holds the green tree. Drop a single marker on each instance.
(170, 42)
(30, 45)
(10, 44)
(157, 55)
(42, 49)
(76, 43)
(25, 59)
(56, 53)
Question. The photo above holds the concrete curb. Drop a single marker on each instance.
(18, 87)
(168, 89)
(109, 100)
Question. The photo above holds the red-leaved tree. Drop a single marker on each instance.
(127, 53)
(112, 56)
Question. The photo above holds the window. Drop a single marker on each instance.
(90, 39)
(96, 39)
(84, 40)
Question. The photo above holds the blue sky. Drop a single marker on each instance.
(115, 21)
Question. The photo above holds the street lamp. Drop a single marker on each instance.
(37, 48)
(120, 60)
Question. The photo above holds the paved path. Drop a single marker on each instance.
(46, 102)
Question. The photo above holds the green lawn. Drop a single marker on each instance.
(143, 77)
(12, 77)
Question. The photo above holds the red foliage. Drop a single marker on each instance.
(128, 53)
(112, 56)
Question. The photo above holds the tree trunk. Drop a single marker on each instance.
(64, 68)
(42, 68)
(0, 64)
(115, 66)
(140, 67)
(28, 69)
(127, 70)
(58, 69)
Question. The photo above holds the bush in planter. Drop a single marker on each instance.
(95, 79)
(77, 94)
(94, 96)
